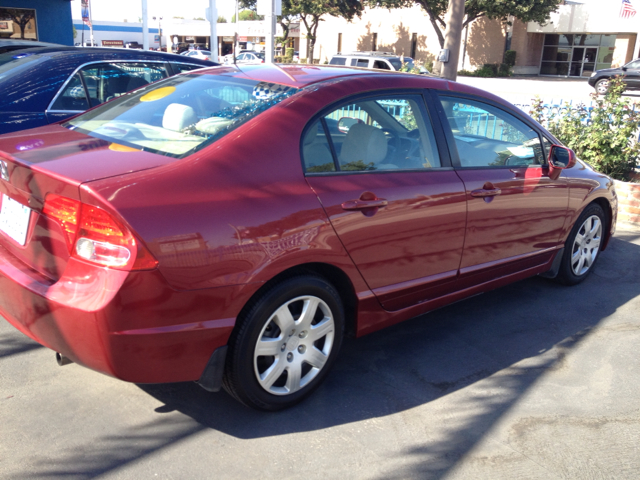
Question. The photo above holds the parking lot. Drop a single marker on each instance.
(533, 381)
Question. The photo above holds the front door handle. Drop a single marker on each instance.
(364, 204)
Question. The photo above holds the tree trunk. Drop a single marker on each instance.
(453, 36)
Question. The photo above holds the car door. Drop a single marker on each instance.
(516, 211)
(97, 83)
(391, 195)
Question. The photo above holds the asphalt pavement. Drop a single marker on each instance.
(531, 381)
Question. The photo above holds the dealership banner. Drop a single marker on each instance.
(86, 17)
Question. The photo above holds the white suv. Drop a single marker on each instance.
(377, 60)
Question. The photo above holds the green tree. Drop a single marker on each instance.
(525, 10)
(310, 13)
(221, 19)
(247, 16)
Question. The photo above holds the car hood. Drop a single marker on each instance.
(618, 71)
(74, 155)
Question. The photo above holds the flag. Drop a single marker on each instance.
(84, 4)
(627, 10)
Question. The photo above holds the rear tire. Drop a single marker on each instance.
(285, 343)
(582, 248)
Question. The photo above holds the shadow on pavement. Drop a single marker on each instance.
(506, 338)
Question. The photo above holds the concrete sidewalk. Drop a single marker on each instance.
(553, 90)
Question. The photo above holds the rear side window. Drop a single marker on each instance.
(109, 80)
(382, 133)
(338, 61)
(381, 64)
(73, 96)
(362, 62)
(185, 67)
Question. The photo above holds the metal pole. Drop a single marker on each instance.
(91, 25)
(269, 18)
(145, 26)
(213, 20)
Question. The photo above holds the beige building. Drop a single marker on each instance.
(580, 37)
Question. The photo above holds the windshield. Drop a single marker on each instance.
(182, 114)
(16, 61)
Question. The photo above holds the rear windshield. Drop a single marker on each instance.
(182, 114)
(16, 61)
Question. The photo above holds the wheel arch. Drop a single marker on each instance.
(332, 274)
(608, 211)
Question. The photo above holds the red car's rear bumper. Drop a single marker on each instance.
(129, 325)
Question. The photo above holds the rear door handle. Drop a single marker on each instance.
(486, 192)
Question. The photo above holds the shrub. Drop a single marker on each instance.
(489, 70)
(278, 59)
(288, 55)
(510, 58)
(605, 137)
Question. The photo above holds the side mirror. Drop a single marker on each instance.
(560, 158)
(345, 123)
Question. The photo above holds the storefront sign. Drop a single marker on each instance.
(113, 43)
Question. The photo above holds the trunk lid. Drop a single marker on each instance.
(53, 160)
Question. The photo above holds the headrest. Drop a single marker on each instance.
(177, 117)
(364, 142)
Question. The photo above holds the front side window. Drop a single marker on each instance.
(181, 114)
(185, 67)
(384, 133)
(486, 136)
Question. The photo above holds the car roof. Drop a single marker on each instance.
(110, 52)
(300, 75)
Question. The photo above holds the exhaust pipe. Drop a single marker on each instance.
(62, 360)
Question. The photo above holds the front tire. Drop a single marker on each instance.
(582, 248)
(602, 86)
(285, 343)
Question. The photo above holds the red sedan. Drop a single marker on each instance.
(230, 226)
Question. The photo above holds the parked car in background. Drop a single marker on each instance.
(9, 45)
(251, 58)
(232, 225)
(45, 85)
(377, 60)
(200, 54)
(630, 73)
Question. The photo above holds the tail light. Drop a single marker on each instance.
(95, 236)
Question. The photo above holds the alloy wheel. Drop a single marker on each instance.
(586, 245)
(294, 345)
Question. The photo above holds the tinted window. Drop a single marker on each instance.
(338, 61)
(185, 67)
(362, 62)
(381, 64)
(73, 96)
(114, 79)
(486, 136)
(384, 133)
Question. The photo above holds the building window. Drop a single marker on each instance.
(339, 43)
(18, 23)
(576, 55)
(414, 44)
(374, 42)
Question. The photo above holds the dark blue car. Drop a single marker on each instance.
(45, 85)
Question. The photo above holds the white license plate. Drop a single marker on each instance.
(14, 219)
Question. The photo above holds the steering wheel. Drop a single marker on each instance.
(393, 139)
